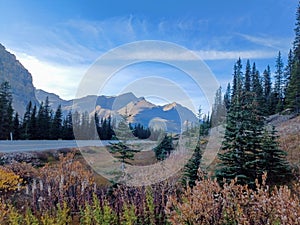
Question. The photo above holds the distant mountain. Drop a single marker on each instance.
(172, 117)
(54, 100)
(20, 80)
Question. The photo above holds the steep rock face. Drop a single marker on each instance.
(19, 78)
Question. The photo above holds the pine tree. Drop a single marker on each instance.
(296, 43)
(218, 109)
(56, 125)
(248, 76)
(44, 117)
(121, 148)
(278, 88)
(26, 119)
(67, 131)
(242, 140)
(164, 149)
(227, 97)
(237, 78)
(6, 111)
(288, 71)
(32, 127)
(256, 86)
(273, 160)
(267, 90)
(293, 89)
(105, 129)
(16, 127)
(190, 171)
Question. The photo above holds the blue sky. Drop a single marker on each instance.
(57, 41)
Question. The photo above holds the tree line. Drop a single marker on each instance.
(274, 93)
(43, 123)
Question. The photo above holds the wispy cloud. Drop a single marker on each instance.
(181, 54)
(246, 54)
(267, 41)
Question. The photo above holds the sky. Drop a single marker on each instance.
(58, 41)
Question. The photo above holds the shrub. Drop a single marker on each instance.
(208, 203)
(9, 181)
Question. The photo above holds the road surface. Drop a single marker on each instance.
(25, 146)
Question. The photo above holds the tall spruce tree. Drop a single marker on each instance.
(16, 127)
(267, 90)
(44, 117)
(227, 97)
(32, 127)
(56, 125)
(237, 78)
(243, 135)
(26, 120)
(67, 130)
(190, 170)
(288, 72)
(218, 109)
(293, 89)
(278, 88)
(296, 43)
(256, 86)
(248, 76)
(273, 160)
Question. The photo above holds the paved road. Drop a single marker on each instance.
(23, 146)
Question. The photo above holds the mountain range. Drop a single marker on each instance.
(172, 117)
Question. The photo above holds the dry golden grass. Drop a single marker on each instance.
(289, 139)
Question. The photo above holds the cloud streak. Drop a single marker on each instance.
(266, 41)
(246, 54)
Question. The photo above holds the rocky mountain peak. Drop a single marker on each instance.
(170, 106)
(19, 78)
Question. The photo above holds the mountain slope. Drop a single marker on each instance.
(20, 80)
(54, 100)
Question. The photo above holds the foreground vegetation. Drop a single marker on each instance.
(67, 193)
